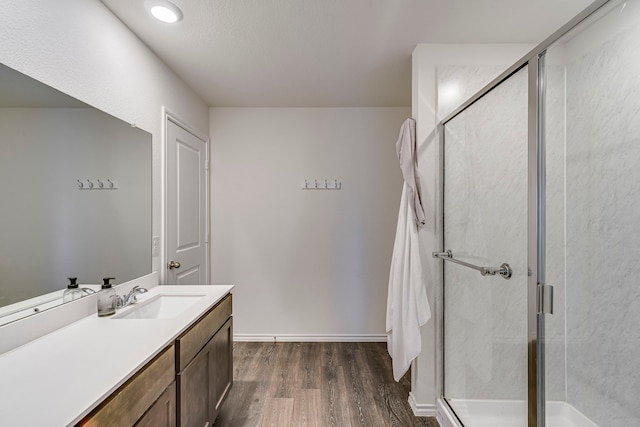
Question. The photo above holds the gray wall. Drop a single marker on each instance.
(312, 264)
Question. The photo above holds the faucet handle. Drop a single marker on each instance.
(119, 301)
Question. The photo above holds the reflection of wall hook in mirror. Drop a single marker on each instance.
(97, 184)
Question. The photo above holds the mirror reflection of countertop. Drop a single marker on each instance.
(59, 378)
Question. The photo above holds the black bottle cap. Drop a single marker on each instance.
(106, 284)
(72, 283)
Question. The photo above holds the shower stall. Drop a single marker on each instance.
(540, 176)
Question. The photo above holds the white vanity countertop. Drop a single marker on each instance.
(59, 378)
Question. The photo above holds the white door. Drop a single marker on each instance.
(187, 219)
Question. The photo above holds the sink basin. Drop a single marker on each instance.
(159, 307)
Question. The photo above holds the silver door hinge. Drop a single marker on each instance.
(206, 165)
(545, 299)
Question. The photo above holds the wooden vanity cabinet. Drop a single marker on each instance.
(131, 402)
(184, 385)
(204, 365)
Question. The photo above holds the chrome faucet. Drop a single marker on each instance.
(130, 298)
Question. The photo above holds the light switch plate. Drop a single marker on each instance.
(155, 246)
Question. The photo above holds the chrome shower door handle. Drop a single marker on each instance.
(173, 264)
(504, 270)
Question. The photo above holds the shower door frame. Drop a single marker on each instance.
(536, 207)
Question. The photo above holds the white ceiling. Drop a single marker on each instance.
(326, 53)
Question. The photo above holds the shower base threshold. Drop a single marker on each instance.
(505, 413)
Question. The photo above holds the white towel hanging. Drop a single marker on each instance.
(407, 304)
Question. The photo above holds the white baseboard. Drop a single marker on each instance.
(421, 409)
(308, 338)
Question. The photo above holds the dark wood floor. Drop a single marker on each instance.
(316, 384)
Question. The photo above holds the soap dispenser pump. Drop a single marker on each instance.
(107, 298)
(72, 292)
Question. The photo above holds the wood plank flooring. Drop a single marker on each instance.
(316, 385)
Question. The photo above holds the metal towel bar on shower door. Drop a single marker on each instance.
(504, 270)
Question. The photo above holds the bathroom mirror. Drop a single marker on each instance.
(75, 195)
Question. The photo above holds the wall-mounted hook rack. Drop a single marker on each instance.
(96, 184)
(321, 184)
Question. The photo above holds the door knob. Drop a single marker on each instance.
(174, 264)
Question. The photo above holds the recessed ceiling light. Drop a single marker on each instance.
(164, 10)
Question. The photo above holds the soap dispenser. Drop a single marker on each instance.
(72, 292)
(107, 298)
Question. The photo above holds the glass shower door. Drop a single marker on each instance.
(593, 221)
(485, 211)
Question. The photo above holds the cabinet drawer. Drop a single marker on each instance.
(127, 404)
(195, 338)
